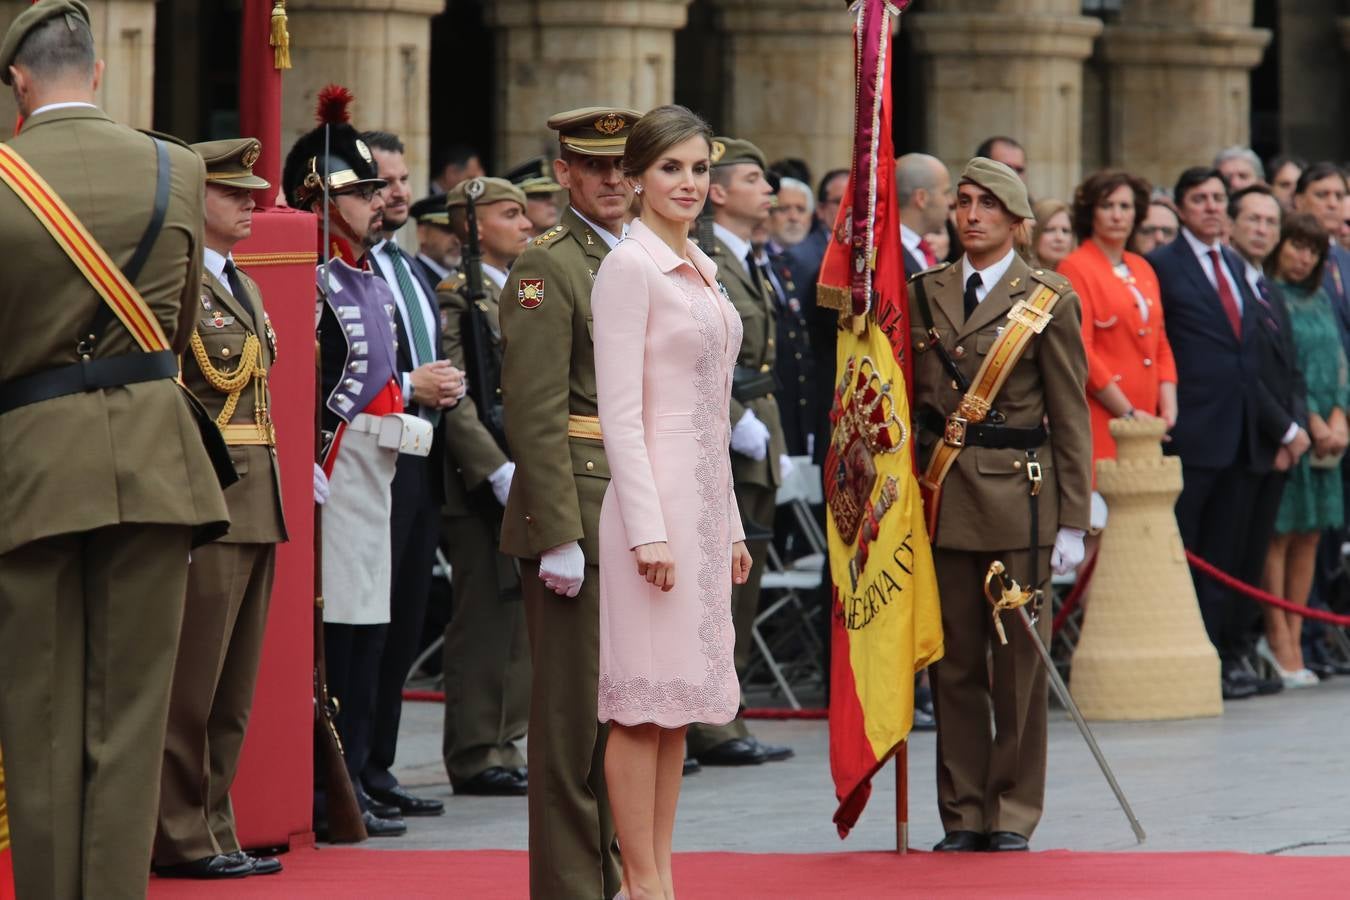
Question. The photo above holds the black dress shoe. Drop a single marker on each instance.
(1322, 670)
(406, 803)
(493, 782)
(208, 867)
(691, 766)
(1005, 841)
(1237, 684)
(378, 827)
(773, 752)
(521, 772)
(961, 842)
(735, 752)
(383, 810)
(262, 865)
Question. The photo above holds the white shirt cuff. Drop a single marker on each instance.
(1290, 434)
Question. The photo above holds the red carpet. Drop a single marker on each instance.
(342, 873)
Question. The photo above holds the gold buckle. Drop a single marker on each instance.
(1034, 476)
(954, 435)
(973, 408)
(1032, 317)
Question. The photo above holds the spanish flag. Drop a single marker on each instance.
(886, 622)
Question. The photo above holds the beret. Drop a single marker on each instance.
(727, 151)
(489, 190)
(1002, 182)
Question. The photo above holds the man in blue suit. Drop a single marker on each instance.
(1229, 424)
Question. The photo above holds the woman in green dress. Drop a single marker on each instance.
(1312, 501)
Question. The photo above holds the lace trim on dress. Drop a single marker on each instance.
(709, 699)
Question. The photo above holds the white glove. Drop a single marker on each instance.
(1068, 552)
(785, 466)
(750, 437)
(562, 569)
(321, 490)
(501, 481)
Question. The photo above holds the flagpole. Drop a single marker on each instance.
(902, 798)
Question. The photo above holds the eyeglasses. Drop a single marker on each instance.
(364, 191)
(1161, 231)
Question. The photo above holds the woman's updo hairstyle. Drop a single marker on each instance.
(658, 131)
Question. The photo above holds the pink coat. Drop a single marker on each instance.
(665, 345)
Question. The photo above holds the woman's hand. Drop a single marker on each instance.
(1167, 403)
(740, 563)
(655, 564)
(1340, 435)
(1321, 435)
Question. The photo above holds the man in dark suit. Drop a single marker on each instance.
(803, 262)
(418, 489)
(1229, 424)
(923, 187)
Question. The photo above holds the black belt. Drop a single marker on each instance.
(87, 375)
(993, 437)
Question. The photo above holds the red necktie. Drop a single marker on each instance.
(1226, 295)
(929, 258)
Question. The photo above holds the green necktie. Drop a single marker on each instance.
(416, 324)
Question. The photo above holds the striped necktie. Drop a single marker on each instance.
(417, 325)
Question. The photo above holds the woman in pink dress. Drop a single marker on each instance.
(671, 541)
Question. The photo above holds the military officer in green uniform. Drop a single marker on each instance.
(1017, 492)
(553, 513)
(535, 178)
(486, 659)
(741, 197)
(107, 482)
(232, 349)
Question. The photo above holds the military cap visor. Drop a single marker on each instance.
(534, 177)
(595, 130)
(229, 163)
(1001, 181)
(484, 191)
(430, 211)
(31, 18)
(727, 151)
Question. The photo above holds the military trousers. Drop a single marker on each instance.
(572, 851)
(89, 626)
(988, 780)
(486, 655)
(229, 589)
(758, 505)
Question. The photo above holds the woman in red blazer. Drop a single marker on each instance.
(1131, 372)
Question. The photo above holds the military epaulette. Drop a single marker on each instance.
(452, 283)
(167, 138)
(1053, 280)
(929, 271)
(551, 235)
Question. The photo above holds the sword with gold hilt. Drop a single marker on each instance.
(1012, 596)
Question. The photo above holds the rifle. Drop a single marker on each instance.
(478, 350)
(345, 825)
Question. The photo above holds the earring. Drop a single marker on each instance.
(637, 189)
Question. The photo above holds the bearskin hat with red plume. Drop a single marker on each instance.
(348, 163)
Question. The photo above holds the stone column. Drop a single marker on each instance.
(1178, 76)
(788, 69)
(378, 49)
(554, 55)
(1004, 68)
(124, 37)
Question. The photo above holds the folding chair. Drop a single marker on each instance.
(441, 569)
(787, 625)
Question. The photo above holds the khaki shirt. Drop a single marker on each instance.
(984, 498)
(255, 499)
(548, 373)
(758, 352)
(471, 452)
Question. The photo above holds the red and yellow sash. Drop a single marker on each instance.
(1026, 319)
(90, 258)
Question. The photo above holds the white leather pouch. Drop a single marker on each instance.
(405, 433)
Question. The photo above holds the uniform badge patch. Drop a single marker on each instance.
(206, 301)
(220, 320)
(531, 292)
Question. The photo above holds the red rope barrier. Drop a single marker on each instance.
(755, 713)
(1075, 595)
(1228, 581)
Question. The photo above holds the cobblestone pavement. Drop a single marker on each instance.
(1269, 776)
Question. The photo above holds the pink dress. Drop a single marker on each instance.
(665, 345)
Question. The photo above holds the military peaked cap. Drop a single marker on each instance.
(31, 18)
(430, 211)
(595, 130)
(230, 162)
(535, 177)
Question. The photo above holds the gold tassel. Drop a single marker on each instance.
(280, 40)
